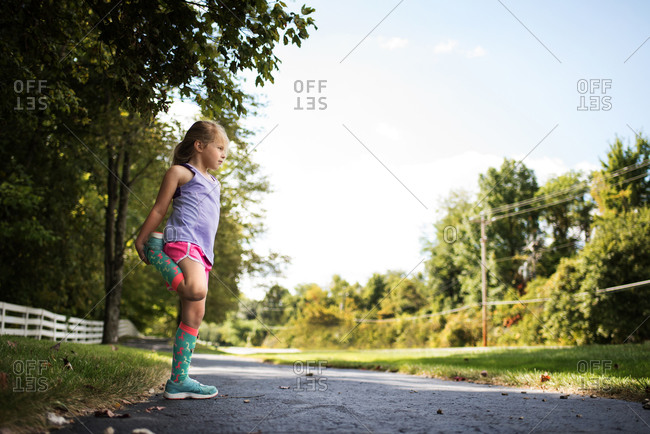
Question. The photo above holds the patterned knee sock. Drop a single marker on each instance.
(169, 269)
(183, 347)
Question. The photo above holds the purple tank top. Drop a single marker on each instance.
(195, 213)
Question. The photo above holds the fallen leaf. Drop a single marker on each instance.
(523, 391)
(66, 364)
(284, 387)
(12, 344)
(504, 394)
(125, 401)
(545, 377)
(54, 419)
(156, 407)
(646, 406)
(593, 396)
(615, 365)
(142, 431)
(246, 401)
(564, 396)
(544, 400)
(309, 374)
(483, 373)
(414, 391)
(458, 378)
(521, 417)
(108, 413)
(109, 430)
(578, 415)
(151, 391)
(439, 411)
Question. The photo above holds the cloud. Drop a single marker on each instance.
(452, 46)
(445, 47)
(392, 43)
(478, 51)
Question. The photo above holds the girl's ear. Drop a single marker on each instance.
(198, 147)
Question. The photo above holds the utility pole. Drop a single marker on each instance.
(484, 278)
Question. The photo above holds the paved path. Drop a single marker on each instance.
(347, 400)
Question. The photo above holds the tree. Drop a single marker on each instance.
(509, 235)
(273, 305)
(617, 189)
(132, 56)
(567, 215)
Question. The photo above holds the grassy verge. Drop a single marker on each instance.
(207, 349)
(621, 371)
(35, 379)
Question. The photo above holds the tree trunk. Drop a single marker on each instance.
(114, 242)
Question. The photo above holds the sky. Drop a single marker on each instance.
(413, 99)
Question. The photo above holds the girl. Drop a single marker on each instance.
(185, 253)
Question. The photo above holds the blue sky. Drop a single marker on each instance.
(438, 92)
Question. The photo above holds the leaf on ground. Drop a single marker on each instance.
(55, 419)
(284, 387)
(142, 431)
(155, 407)
(12, 344)
(459, 378)
(66, 364)
(246, 401)
(309, 374)
(108, 413)
(483, 373)
(439, 411)
(124, 401)
(545, 377)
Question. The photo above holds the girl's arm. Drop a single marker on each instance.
(167, 188)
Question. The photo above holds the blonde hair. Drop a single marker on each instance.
(205, 132)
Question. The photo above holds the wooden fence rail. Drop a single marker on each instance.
(20, 320)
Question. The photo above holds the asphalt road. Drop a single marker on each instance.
(285, 398)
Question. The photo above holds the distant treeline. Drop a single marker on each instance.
(561, 241)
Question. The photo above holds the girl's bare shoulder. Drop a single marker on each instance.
(179, 174)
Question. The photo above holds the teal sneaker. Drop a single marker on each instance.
(189, 388)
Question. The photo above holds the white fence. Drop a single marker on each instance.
(39, 323)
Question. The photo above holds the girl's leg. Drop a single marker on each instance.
(192, 291)
(170, 271)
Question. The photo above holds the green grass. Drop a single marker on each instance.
(621, 371)
(37, 380)
(207, 349)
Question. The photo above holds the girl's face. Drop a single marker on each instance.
(214, 154)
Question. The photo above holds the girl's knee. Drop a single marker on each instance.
(195, 292)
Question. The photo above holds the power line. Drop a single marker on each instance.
(605, 291)
(579, 186)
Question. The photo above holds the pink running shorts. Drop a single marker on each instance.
(179, 250)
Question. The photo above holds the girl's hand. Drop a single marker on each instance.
(139, 246)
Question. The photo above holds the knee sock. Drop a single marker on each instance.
(169, 269)
(183, 347)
